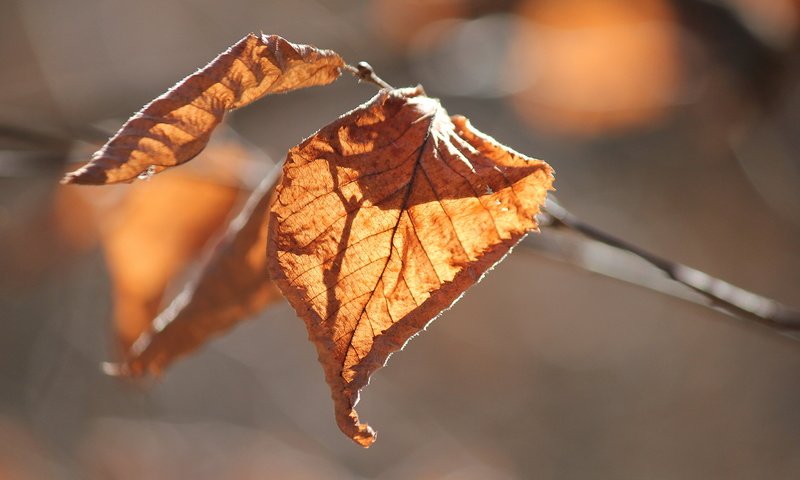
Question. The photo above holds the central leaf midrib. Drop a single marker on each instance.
(403, 208)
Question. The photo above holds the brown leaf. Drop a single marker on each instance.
(233, 286)
(150, 236)
(382, 220)
(152, 232)
(176, 126)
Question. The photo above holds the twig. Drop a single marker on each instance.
(53, 141)
(364, 72)
(34, 153)
(731, 299)
(34, 138)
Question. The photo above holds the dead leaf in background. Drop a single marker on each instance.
(382, 220)
(232, 287)
(176, 126)
(151, 235)
(585, 67)
(151, 232)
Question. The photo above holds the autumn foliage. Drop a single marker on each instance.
(176, 126)
(379, 222)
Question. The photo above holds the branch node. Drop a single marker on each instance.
(365, 73)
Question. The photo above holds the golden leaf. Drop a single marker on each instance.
(151, 235)
(175, 127)
(233, 286)
(382, 220)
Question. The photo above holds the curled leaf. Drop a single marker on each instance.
(382, 220)
(151, 232)
(151, 235)
(176, 126)
(233, 286)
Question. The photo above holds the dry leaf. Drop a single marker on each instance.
(176, 126)
(233, 286)
(152, 232)
(151, 235)
(586, 67)
(382, 220)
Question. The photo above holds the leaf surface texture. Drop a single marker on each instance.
(175, 127)
(382, 220)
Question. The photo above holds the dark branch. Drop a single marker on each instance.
(731, 299)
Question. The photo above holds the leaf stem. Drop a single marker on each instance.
(731, 299)
(364, 72)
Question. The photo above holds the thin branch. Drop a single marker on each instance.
(28, 152)
(364, 72)
(34, 138)
(60, 141)
(731, 299)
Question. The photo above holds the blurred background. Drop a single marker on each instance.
(674, 124)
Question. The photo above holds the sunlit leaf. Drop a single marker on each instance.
(176, 126)
(382, 220)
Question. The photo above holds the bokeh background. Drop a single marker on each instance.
(674, 124)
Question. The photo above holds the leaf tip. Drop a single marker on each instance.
(71, 178)
(361, 433)
(365, 437)
(85, 176)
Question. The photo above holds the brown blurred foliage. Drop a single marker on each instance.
(232, 287)
(592, 66)
(581, 68)
(152, 231)
(150, 236)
